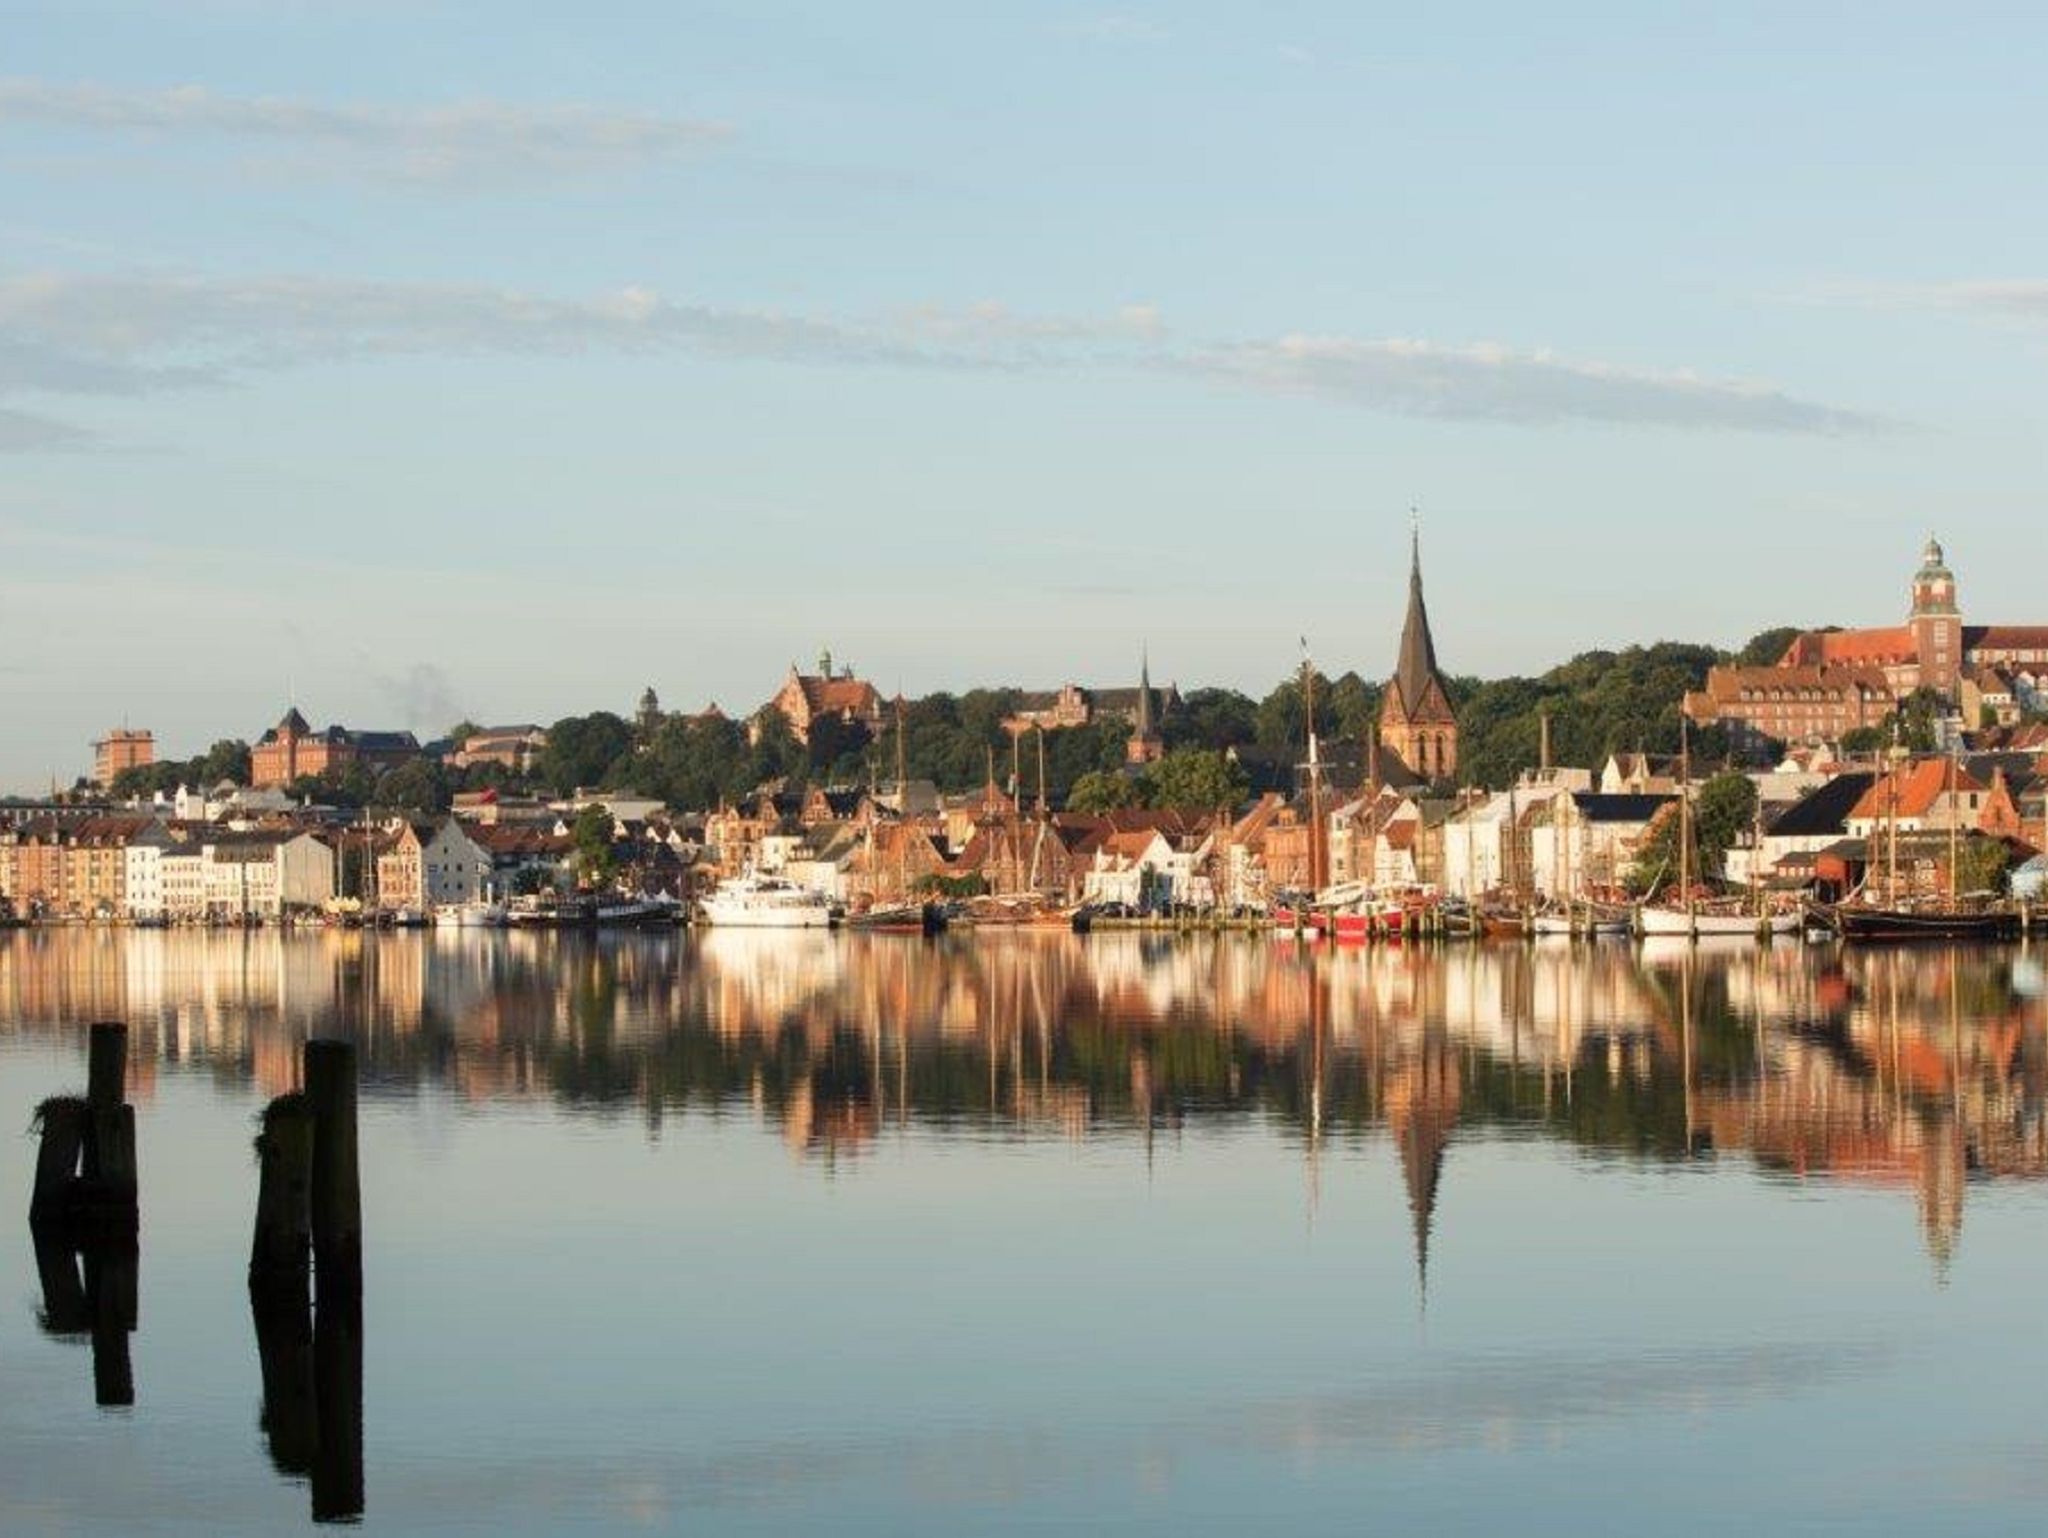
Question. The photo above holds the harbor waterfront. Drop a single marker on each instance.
(767, 1232)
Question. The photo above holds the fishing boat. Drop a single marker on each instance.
(758, 901)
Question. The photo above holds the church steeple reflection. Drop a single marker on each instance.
(1913, 1071)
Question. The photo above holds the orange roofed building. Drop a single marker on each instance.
(807, 698)
(1831, 681)
(292, 749)
(1933, 793)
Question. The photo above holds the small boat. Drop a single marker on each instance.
(927, 918)
(757, 901)
(472, 915)
(1585, 919)
(620, 912)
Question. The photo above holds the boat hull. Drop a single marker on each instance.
(1854, 923)
(1701, 926)
(734, 916)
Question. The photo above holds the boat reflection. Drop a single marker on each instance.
(1920, 1069)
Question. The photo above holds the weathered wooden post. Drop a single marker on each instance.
(283, 1241)
(106, 1064)
(61, 1123)
(110, 1182)
(336, 1194)
(338, 1393)
(284, 1349)
(65, 1310)
(111, 1285)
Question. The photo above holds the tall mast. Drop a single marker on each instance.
(1685, 819)
(1954, 829)
(1316, 879)
(902, 809)
(1891, 821)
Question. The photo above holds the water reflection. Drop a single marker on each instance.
(1919, 1069)
(98, 1304)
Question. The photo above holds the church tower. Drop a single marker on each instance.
(1145, 745)
(1417, 724)
(1937, 623)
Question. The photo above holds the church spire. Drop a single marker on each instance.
(1416, 666)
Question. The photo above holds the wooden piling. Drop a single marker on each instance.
(111, 1285)
(338, 1392)
(110, 1187)
(284, 1350)
(65, 1309)
(106, 1073)
(336, 1203)
(61, 1123)
(283, 1242)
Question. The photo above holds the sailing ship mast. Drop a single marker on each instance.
(902, 810)
(1685, 820)
(1317, 876)
(1891, 822)
(1954, 830)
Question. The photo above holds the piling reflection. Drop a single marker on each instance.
(91, 1286)
(1916, 1069)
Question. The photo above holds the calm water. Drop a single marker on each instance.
(1027, 1234)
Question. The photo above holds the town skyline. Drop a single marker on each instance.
(493, 382)
(1866, 695)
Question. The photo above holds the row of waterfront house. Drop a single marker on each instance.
(1557, 833)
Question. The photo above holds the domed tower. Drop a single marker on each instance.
(1937, 623)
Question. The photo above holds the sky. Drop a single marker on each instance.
(421, 361)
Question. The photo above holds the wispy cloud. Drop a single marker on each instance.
(132, 335)
(1499, 384)
(1116, 27)
(23, 432)
(2016, 298)
(107, 329)
(422, 144)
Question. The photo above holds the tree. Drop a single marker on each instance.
(227, 759)
(1212, 718)
(591, 833)
(1195, 780)
(417, 785)
(1077, 751)
(581, 750)
(1101, 791)
(695, 764)
(837, 751)
(1765, 647)
(1982, 864)
(1722, 812)
(1354, 707)
(774, 753)
(1281, 720)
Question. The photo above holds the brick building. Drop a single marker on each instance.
(121, 749)
(292, 749)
